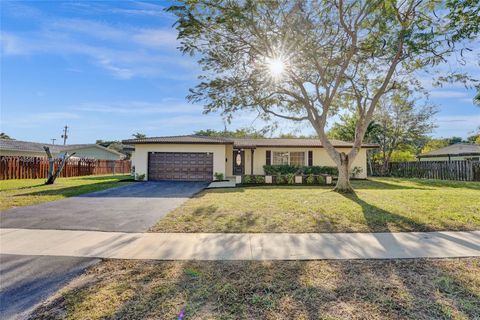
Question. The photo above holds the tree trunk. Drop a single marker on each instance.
(51, 162)
(343, 181)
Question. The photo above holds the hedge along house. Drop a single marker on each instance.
(197, 158)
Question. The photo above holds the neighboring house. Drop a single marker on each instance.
(35, 149)
(197, 158)
(458, 151)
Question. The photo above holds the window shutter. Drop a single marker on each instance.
(269, 157)
(310, 158)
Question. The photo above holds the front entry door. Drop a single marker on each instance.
(238, 162)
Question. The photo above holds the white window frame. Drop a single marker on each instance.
(288, 157)
(283, 154)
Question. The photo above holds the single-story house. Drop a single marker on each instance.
(199, 157)
(458, 151)
(35, 149)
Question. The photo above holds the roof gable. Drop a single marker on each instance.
(17, 145)
(458, 149)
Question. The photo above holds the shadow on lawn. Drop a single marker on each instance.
(102, 178)
(357, 184)
(475, 185)
(408, 289)
(380, 220)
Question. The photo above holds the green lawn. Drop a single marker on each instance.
(380, 205)
(25, 192)
(395, 289)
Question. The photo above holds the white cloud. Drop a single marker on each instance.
(123, 50)
(157, 38)
(167, 106)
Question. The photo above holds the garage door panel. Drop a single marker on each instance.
(184, 166)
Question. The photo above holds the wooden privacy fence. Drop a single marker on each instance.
(462, 170)
(37, 167)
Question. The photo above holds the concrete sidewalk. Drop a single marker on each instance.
(240, 246)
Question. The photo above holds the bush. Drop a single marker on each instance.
(140, 177)
(321, 180)
(317, 170)
(285, 169)
(310, 179)
(247, 179)
(218, 176)
(279, 179)
(290, 178)
(260, 179)
(356, 171)
(282, 169)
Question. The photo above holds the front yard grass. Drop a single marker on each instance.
(395, 289)
(379, 205)
(25, 192)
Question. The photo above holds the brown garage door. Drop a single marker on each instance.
(182, 166)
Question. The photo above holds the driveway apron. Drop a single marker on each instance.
(28, 280)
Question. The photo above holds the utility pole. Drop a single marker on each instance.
(64, 135)
(53, 140)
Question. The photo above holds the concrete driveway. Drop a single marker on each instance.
(28, 280)
(132, 208)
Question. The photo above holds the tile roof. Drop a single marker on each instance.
(292, 142)
(191, 139)
(17, 145)
(242, 142)
(458, 149)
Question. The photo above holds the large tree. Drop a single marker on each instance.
(401, 123)
(309, 60)
(238, 133)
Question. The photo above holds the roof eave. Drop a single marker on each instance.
(176, 142)
(449, 155)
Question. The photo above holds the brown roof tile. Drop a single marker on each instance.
(458, 149)
(242, 142)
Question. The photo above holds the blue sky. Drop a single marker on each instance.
(111, 68)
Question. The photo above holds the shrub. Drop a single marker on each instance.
(218, 176)
(317, 170)
(260, 179)
(310, 179)
(356, 171)
(290, 178)
(247, 179)
(285, 169)
(279, 179)
(140, 177)
(321, 180)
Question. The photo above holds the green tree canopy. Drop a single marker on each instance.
(311, 60)
(139, 135)
(5, 136)
(238, 133)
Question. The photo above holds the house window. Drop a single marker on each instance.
(292, 158)
(297, 158)
(280, 158)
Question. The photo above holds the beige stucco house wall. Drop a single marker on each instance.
(223, 157)
(140, 155)
(320, 158)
